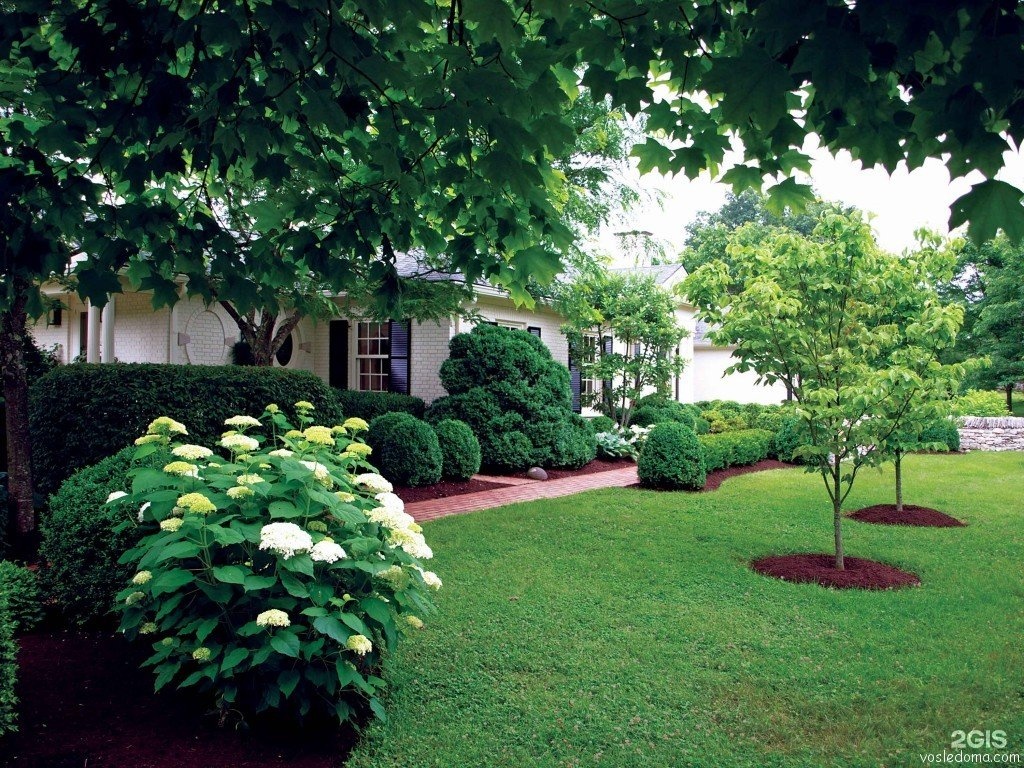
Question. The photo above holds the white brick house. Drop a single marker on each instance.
(350, 354)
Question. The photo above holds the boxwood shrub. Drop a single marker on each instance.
(507, 387)
(370, 405)
(460, 450)
(82, 538)
(790, 436)
(405, 449)
(650, 412)
(8, 670)
(735, 449)
(21, 586)
(82, 413)
(602, 423)
(672, 459)
(942, 431)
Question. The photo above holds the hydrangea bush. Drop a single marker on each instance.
(276, 571)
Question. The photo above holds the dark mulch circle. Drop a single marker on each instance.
(445, 489)
(925, 517)
(85, 702)
(820, 569)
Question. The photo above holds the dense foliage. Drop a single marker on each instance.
(672, 459)
(369, 405)
(405, 449)
(659, 410)
(24, 599)
(80, 414)
(980, 403)
(276, 575)
(82, 537)
(460, 450)
(505, 385)
(8, 669)
(735, 449)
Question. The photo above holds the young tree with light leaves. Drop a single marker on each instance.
(854, 328)
(638, 315)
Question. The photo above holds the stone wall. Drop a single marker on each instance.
(1001, 433)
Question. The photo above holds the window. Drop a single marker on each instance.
(373, 349)
(590, 389)
(284, 353)
(511, 325)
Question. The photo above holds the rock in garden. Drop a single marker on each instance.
(536, 473)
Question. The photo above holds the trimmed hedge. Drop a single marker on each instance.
(8, 670)
(602, 423)
(405, 449)
(24, 601)
(942, 431)
(460, 450)
(672, 459)
(83, 537)
(669, 411)
(369, 405)
(790, 436)
(80, 413)
(735, 449)
(505, 385)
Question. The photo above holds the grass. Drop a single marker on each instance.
(1018, 405)
(624, 628)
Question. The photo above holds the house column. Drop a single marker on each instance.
(92, 349)
(107, 355)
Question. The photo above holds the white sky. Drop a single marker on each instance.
(898, 205)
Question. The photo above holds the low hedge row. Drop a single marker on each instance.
(735, 449)
(8, 670)
(369, 405)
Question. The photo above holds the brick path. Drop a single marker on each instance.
(432, 509)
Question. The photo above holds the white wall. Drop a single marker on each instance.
(710, 381)
(501, 310)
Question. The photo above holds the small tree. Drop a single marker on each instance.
(640, 316)
(849, 324)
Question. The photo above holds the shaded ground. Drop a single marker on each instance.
(86, 704)
(820, 569)
(886, 514)
(597, 465)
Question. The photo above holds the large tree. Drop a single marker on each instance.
(851, 326)
(434, 124)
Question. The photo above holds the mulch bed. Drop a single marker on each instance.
(925, 517)
(445, 489)
(597, 465)
(86, 704)
(820, 569)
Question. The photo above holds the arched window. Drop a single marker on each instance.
(284, 354)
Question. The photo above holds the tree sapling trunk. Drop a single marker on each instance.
(899, 480)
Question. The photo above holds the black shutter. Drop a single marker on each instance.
(576, 385)
(606, 349)
(533, 330)
(401, 333)
(337, 354)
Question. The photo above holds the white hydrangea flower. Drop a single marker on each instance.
(142, 511)
(431, 579)
(320, 472)
(360, 644)
(242, 421)
(394, 576)
(192, 452)
(390, 518)
(250, 479)
(373, 483)
(345, 496)
(390, 501)
(171, 524)
(273, 618)
(142, 577)
(115, 495)
(327, 552)
(413, 543)
(285, 539)
(239, 492)
(240, 443)
(284, 453)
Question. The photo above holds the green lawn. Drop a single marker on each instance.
(1018, 405)
(624, 628)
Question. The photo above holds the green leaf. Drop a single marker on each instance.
(149, 479)
(229, 574)
(254, 582)
(283, 509)
(346, 673)
(168, 581)
(754, 87)
(333, 628)
(164, 675)
(293, 586)
(299, 564)
(205, 628)
(225, 536)
(285, 643)
(182, 550)
(233, 659)
(356, 623)
(990, 206)
(287, 681)
(788, 194)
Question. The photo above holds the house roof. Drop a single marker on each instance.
(662, 273)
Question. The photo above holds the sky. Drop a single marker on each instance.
(897, 205)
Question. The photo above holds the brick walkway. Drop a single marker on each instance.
(432, 509)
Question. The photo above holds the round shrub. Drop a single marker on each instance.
(507, 451)
(405, 449)
(8, 670)
(82, 537)
(574, 446)
(460, 450)
(602, 423)
(790, 436)
(274, 576)
(942, 431)
(672, 459)
(24, 601)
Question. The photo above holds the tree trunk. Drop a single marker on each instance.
(1009, 397)
(19, 446)
(837, 512)
(899, 481)
(260, 335)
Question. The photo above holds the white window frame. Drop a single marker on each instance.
(589, 388)
(379, 380)
(511, 325)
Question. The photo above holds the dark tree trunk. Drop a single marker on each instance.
(837, 511)
(19, 445)
(899, 481)
(263, 340)
(1009, 397)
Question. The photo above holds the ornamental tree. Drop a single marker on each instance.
(639, 316)
(852, 328)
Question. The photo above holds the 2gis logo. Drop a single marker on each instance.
(978, 740)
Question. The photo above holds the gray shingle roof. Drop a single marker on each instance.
(661, 273)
